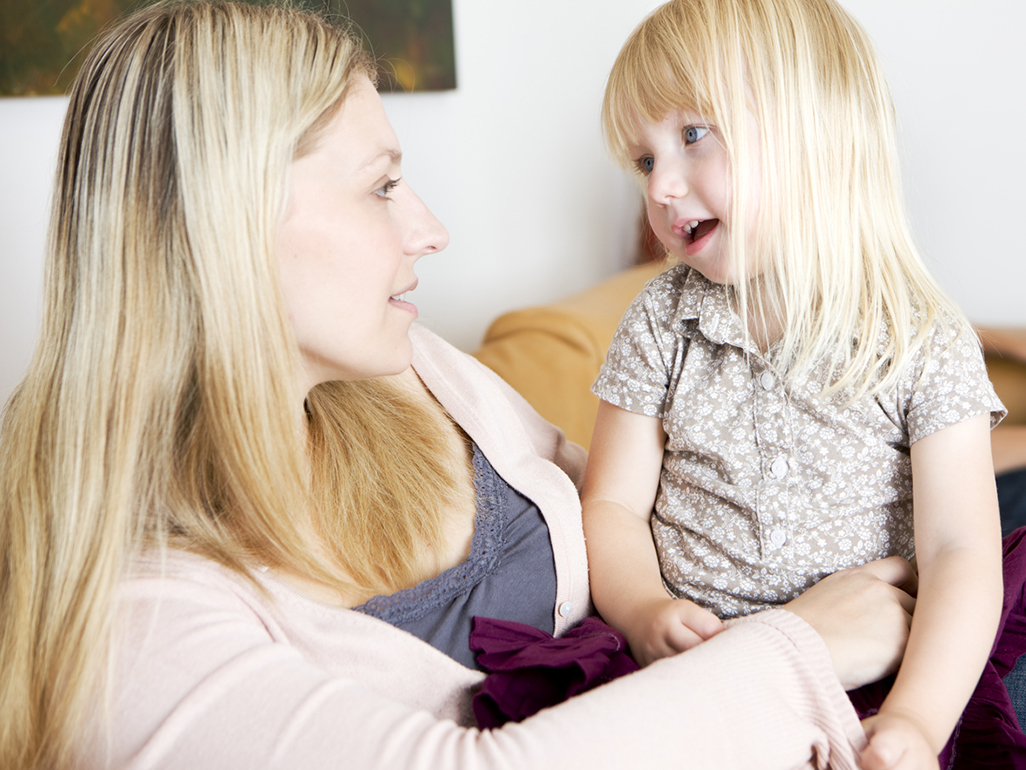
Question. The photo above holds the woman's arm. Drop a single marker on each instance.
(212, 676)
(620, 487)
(958, 550)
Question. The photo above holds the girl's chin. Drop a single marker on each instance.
(714, 273)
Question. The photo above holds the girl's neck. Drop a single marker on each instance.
(765, 326)
(764, 330)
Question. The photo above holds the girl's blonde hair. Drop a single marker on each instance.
(843, 278)
(160, 407)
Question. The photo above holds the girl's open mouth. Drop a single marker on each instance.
(696, 230)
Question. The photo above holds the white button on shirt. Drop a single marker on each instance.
(565, 609)
(767, 380)
(778, 537)
(779, 468)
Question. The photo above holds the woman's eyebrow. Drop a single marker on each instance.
(395, 156)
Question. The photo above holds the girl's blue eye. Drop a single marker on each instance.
(645, 164)
(693, 133)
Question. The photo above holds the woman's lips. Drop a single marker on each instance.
(399, 301)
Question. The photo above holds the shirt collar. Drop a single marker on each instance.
(706, 302)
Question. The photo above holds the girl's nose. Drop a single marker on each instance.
(666, 184)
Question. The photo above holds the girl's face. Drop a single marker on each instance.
(688, 190)
(351, 234)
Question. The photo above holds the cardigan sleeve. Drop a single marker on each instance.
(205, 680)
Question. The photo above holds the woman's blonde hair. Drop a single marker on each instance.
(843, 278)
(160, 407)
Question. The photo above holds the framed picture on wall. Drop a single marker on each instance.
(42, 44)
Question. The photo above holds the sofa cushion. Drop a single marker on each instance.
(552, 354)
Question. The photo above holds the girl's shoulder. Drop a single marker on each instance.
(671, 282)
(664, 294)
(947, 339)
(945, 380)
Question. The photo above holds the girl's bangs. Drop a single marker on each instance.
(655, 74)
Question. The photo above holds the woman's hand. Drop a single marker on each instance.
(863, 615)
(896, 742)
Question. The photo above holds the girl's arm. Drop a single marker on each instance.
(958, 550)
(620, 487)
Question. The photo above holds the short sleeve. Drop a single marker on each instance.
(949, 384)
(638, 368)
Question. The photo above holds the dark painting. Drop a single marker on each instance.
(42, 44)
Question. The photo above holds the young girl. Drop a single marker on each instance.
(772, 406)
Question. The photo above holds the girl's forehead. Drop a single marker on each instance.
(638, 122)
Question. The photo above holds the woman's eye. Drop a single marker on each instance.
(383, 191)
(693, 133)
(645, 164)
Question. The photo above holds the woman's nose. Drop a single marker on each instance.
(426, 235)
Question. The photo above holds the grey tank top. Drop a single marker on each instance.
(510, 574)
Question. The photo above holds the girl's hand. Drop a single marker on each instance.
(896, 742)
(664, 627)
(863, 615)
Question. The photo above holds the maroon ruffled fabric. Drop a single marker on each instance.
(531, 670)
(988, 735)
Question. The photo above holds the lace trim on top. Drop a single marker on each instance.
(486, 549)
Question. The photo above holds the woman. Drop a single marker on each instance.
(208, 468)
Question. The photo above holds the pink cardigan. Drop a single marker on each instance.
(212, 673)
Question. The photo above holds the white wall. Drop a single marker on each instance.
(957, 69)
(29, 131)
(512, 161)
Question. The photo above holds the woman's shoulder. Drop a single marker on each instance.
(179, 599)
(178, 584)
(171, 565)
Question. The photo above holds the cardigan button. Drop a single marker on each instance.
(565, 609)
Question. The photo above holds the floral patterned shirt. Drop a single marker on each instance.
(765, 490)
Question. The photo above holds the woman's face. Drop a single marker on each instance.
(351, 234)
